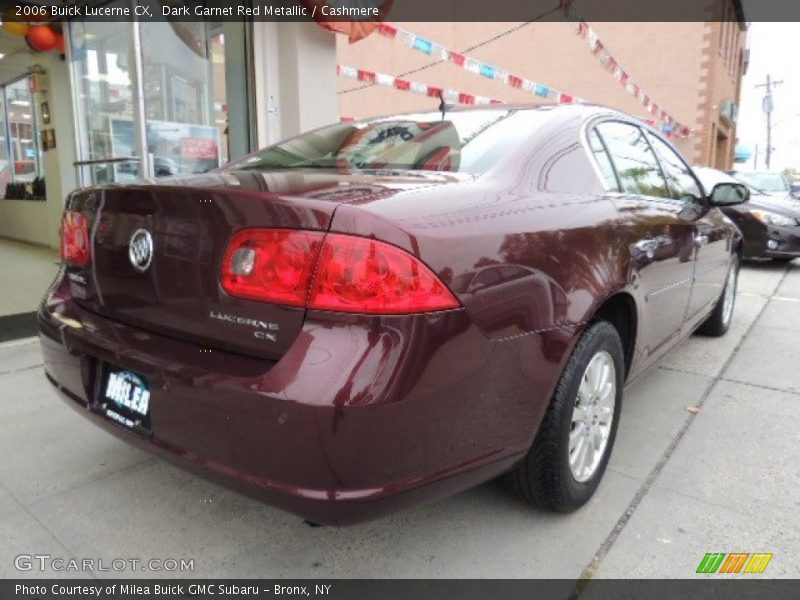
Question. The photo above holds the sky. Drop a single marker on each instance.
(774, 49)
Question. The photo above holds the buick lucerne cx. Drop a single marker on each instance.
(384, 312)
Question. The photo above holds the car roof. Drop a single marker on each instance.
(582, 110)
(585, 110)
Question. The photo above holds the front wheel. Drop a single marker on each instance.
(719, 321)
(569, 455)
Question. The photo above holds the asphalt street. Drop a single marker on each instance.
(706, 460)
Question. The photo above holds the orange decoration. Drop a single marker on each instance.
(41, 38)
(16, 27)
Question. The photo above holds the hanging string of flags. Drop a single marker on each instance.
(415, 87)
(667, 123)
(474, 65)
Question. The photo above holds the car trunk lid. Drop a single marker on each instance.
(190, 225)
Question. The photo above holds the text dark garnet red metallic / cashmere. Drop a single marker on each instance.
(386, 312)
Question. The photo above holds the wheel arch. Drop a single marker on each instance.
(619, 309)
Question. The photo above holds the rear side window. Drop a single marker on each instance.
(682, 183)
(636, 165)
(603, 161)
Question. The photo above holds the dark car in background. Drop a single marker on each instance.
(770, 224)
(384, 312)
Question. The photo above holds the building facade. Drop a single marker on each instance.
(693, 70)
(127, 100)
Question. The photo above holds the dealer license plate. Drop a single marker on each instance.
(125, 398)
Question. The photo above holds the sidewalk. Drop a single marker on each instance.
(680, 484)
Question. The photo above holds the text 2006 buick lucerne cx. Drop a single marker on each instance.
(380, 313)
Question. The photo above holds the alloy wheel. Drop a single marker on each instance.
(730, 296)
(592, 416)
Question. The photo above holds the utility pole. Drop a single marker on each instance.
(767, 106)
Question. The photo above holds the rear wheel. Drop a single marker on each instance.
(719, 321)
(569, 455)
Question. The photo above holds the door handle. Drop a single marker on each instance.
(701, 240)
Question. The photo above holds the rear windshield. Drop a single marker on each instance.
(467, 142)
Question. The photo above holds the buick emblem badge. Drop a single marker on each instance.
(140, 250)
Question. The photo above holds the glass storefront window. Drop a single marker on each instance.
(103, 76)
(172, 122)
(219, 93)
(23, 138)
(180, 100)
(179, 121)
(6, 168)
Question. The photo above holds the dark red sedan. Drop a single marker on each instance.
(385, 312)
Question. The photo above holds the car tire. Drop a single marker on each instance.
(719, 321)
(550, 476)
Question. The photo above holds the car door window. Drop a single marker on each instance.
(633, 158)
(682, 183)
(603, 161)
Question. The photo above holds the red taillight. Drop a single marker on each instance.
(332, 272)
(75, 247)
(271, 265)
(359, 275)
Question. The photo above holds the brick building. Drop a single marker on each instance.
(693, 70)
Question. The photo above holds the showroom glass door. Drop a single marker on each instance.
(152, 97)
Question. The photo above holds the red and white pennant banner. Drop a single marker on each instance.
(415, 87)
(473, 65)
(666, 122)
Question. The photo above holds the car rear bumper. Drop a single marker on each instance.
(358, 418)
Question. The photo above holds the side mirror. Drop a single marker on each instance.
(729, 194)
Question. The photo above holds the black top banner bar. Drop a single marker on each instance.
(403, 10)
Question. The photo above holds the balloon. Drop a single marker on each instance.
(16, 27)
(41, 38)
(60, 47)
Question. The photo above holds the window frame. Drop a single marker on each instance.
(592, 125)
(674, 150)
(595, 163)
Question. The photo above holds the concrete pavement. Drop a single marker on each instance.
(723, 479)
